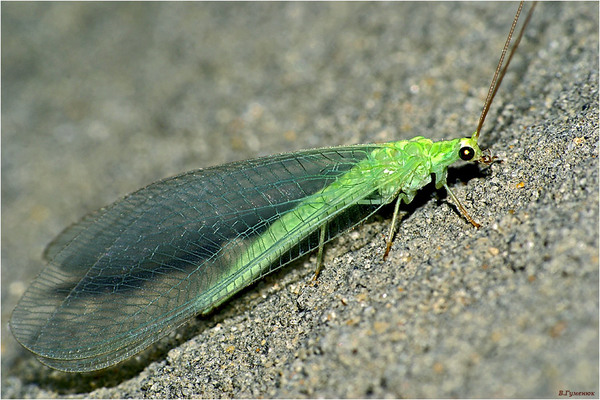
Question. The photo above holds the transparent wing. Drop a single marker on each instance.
(128, 274)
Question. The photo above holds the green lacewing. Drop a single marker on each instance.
(130, 273)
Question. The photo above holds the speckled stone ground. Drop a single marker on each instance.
(99, 99)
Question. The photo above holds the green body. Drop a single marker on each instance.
(130, 273)
(395, 169)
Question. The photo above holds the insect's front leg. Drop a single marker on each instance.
(462, 209)
(440, 180)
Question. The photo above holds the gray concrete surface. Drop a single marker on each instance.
(99, 99)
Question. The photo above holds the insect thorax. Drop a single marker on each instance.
(406, 166)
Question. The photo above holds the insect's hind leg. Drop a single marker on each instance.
(320, 252)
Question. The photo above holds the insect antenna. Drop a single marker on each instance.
(501, 71)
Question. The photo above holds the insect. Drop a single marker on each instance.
(128, 274)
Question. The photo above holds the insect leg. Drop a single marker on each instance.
(390, 236)
(461, 208)
(320, 252)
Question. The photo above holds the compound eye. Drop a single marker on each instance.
(466, 153)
